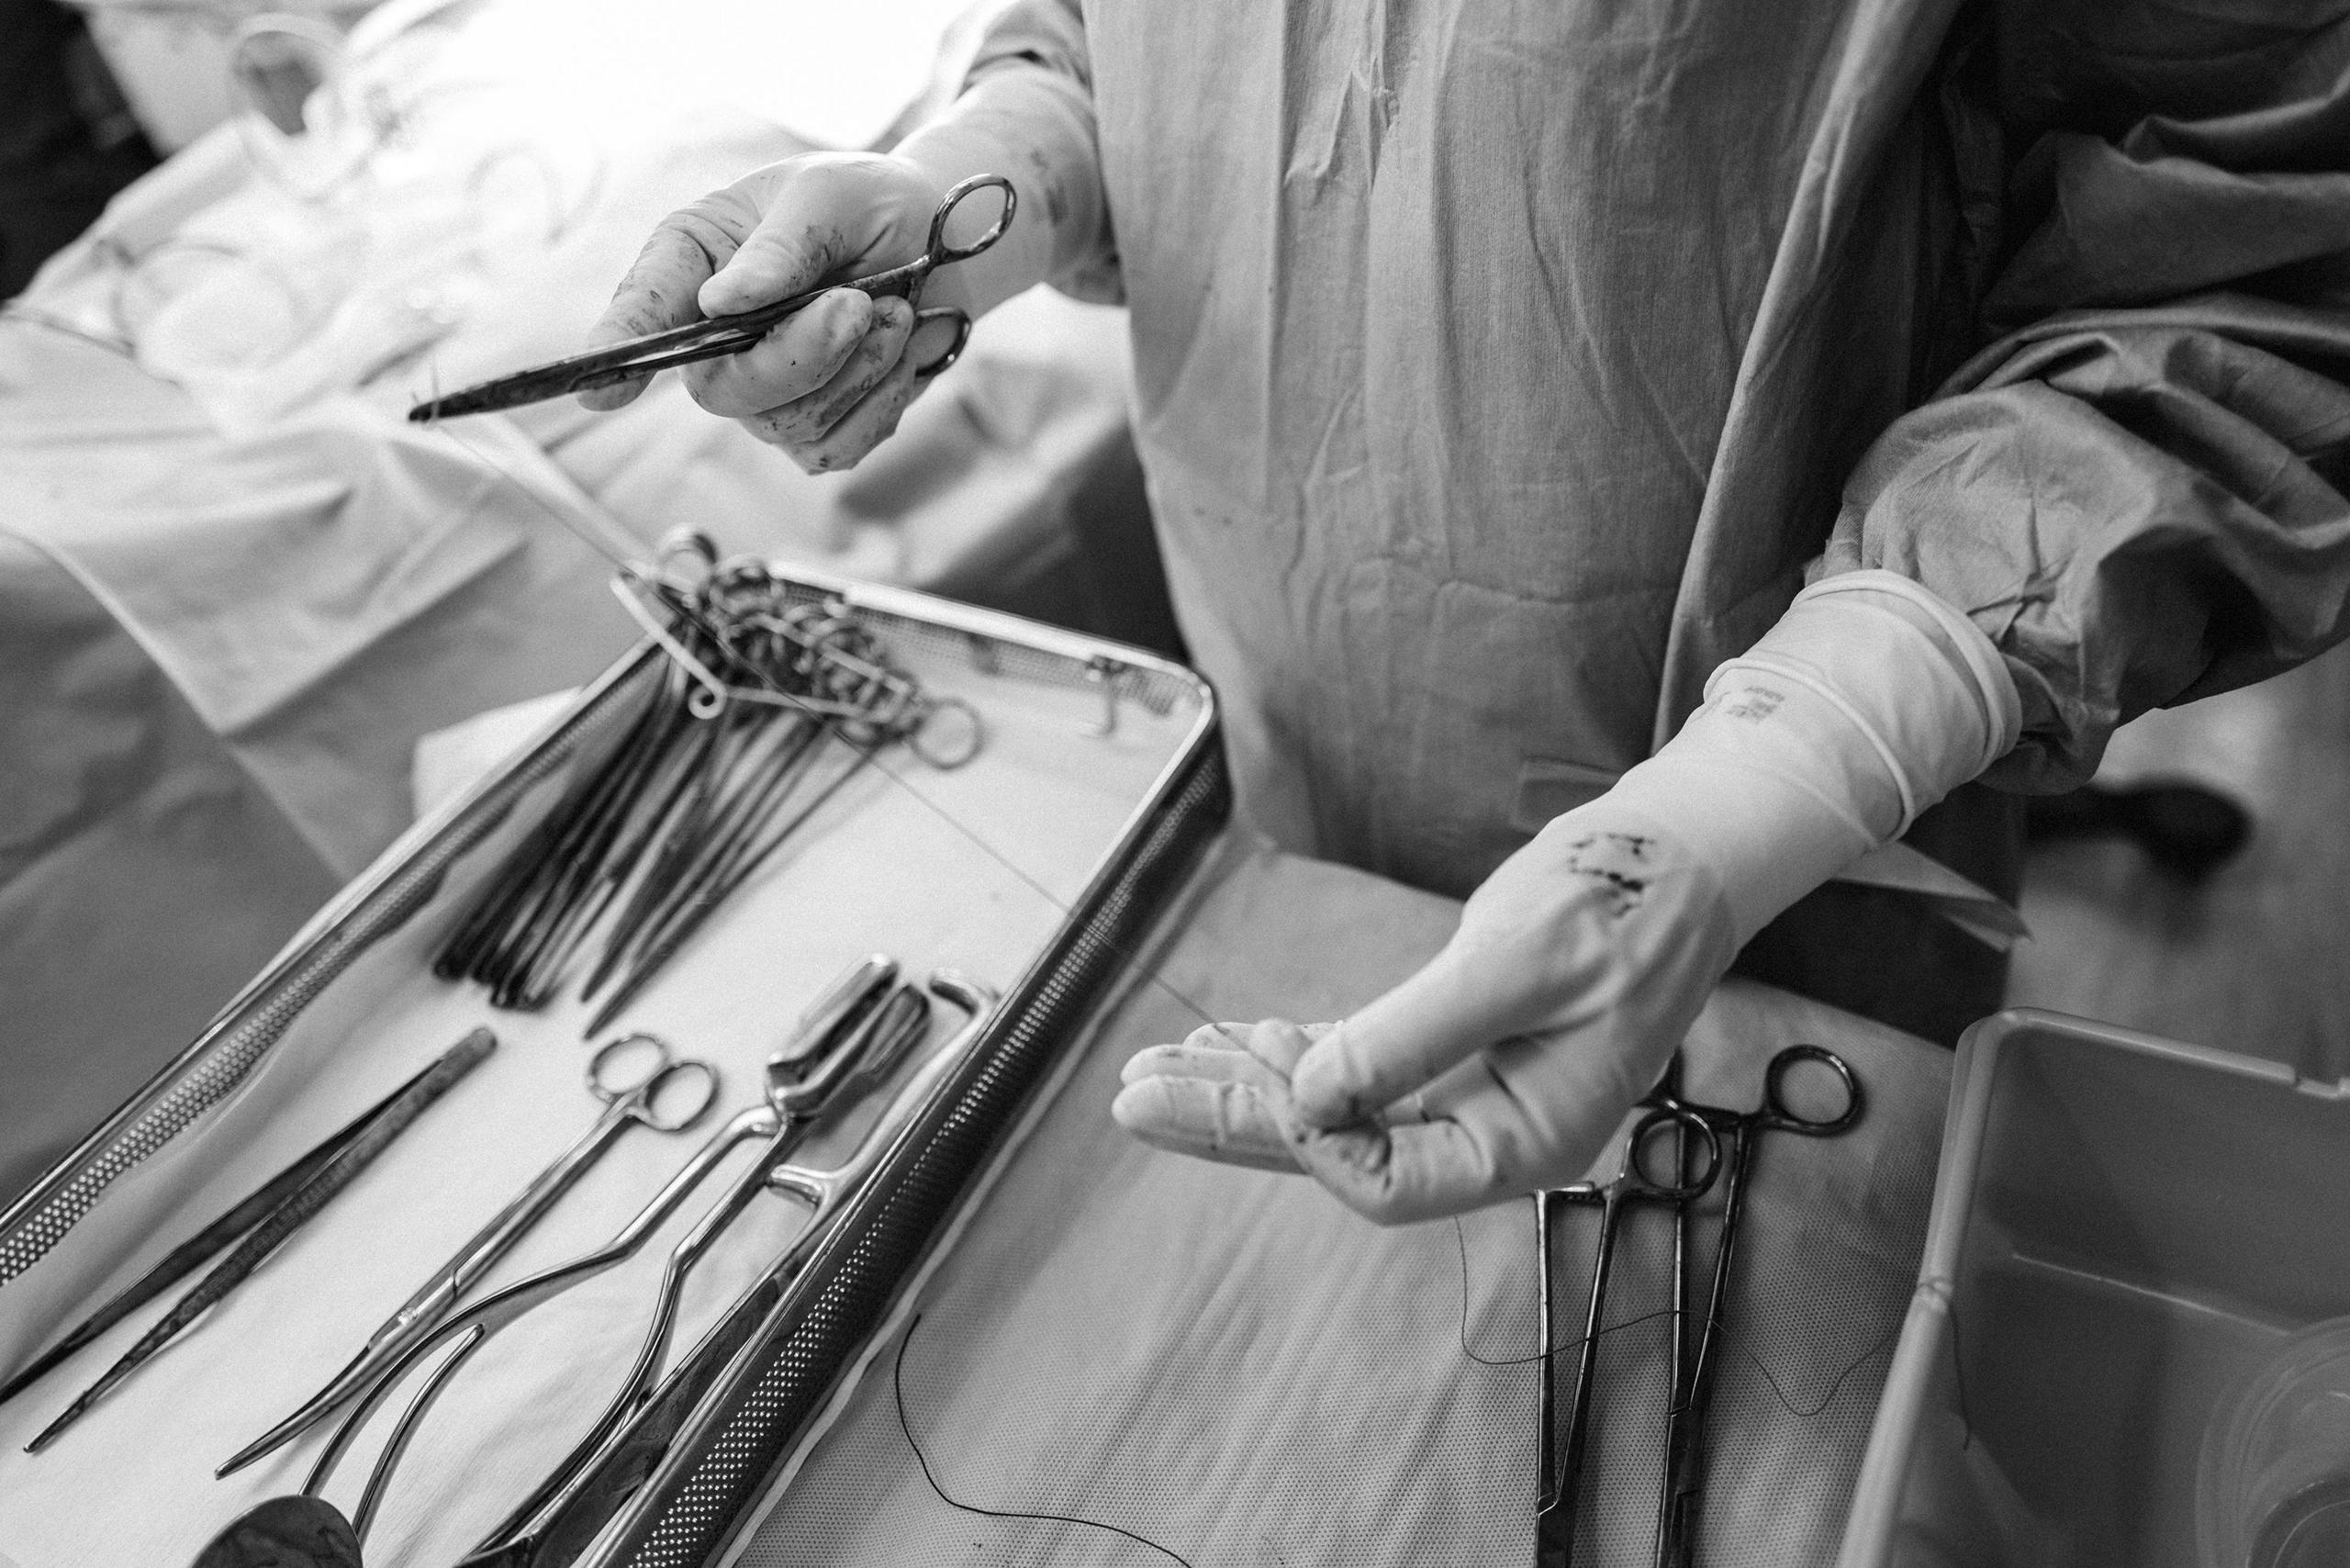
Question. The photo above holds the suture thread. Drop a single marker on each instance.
(1460, 1239)
(898, 1387)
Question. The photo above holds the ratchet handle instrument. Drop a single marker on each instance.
(1677, 1128)
(723, 335)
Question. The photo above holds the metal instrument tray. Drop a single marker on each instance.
(1041, 867)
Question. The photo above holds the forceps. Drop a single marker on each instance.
(1560, 1473)
(470, 1327)
(1685, 1433)
(827, 1042)
(580, 1496)
(724, 335)
(635, 1077)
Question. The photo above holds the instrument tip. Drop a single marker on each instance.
(49, 1433)
(253, 1451)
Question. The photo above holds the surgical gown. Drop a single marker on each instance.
(1502, 368)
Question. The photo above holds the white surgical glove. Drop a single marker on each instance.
(1506, 1063)
(830, 382)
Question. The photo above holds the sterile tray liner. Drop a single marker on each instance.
(881, 870)
(1230, 1364)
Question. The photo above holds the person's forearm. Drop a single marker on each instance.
(2137, 507)
(2140, 494)
(1035, 126)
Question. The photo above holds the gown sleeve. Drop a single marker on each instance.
(2138, 490)
(1032, 81)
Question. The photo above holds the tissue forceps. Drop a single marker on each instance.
(382, 1127)
(1560, 1469)
(724, 335)
(1686, 1434)
(193, 1253)
(636, 1077)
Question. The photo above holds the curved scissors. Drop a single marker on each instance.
(723, 335)
(1560, 1473)
(642, 1082)
(1685, 1431)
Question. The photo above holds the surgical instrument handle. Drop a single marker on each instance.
(825, 1189)
(881, 1036)
(1686, 1435)
(849, 999)
(585, 1489)
(380, 1371)
(637, 1101)
(502, 1307)
(493, 1313)
(715, 337)
(1559, 1471)
(887, 1034)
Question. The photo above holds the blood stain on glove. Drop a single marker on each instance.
(1624, 862)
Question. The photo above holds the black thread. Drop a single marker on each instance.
(898, 1387)
(1461, 1239)
(1828, 1398)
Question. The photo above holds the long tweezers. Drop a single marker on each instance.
(183, 1259)
(363, 1142)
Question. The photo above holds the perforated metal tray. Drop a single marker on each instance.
(780, 1375)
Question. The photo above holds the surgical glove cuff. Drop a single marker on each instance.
(1867, 703)
(1036, 128)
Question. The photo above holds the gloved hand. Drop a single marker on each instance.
(829, 383)
(1507, 1062)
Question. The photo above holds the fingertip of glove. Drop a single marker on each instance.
(746, 281)
(1279, 1044)
(1323, 1092)
(1150, 1105)
(1145, 1063)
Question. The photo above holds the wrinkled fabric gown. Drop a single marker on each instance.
(1502, 368)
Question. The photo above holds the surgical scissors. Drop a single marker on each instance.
(724, 335)
(641, 1083)
(1560, 1473)
(1686, 1434)
(578, 1497)
(827, 1192)
(832, 1021)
